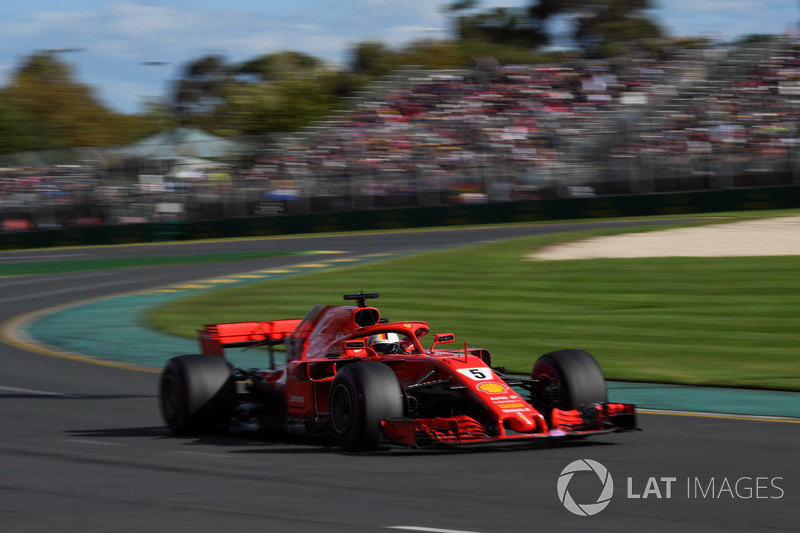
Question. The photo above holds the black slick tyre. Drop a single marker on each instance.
(571, 379)
(362, 394)
(196, 394)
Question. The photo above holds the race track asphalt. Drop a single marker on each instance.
(84, 450)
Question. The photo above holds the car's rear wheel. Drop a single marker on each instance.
(569, 379)
(196, 394)
(362, 394)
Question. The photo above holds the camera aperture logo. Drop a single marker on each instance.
(746, 487)
(585, 509)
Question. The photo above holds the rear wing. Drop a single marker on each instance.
(214, 338)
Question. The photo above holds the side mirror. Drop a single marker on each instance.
(442, 338)
(355, 349)
(354, 344)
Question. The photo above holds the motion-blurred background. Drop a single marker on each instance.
(541, 99)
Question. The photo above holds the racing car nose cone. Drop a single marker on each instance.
(521, 423)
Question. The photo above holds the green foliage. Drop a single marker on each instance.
(503, 26)
(199, 90)
(19, 130)
(44, 107)
(504, 54)
(433, 54)
(599, 27)
(372, 59)
(281, 66)
(278, 92)
(286, 104)
(607, 27)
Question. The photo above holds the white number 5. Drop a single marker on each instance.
(477, 374)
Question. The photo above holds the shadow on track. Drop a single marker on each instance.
(244, 441)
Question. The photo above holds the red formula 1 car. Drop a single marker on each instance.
(370, 383)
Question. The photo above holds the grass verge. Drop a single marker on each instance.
(710, 321)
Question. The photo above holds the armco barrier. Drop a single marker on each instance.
(447, 215)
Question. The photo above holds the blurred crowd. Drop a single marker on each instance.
(710, 118)
(704, 120)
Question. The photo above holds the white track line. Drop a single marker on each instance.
(429, 529)
(39, 392)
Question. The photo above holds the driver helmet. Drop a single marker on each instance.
(384, 342)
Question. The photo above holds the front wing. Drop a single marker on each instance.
(465, 431)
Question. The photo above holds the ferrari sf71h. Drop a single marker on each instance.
(370, 383)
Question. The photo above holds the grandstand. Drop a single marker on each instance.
(712, 118)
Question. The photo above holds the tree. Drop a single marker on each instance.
(199, 89)
(433, 54)
(373, 59)
(599, 27)
(608, 27)
(270, 93)
(47, 108)
(501, 25)
(282, 106)
(19, 132)
(281, 65)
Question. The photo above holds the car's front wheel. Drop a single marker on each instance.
(362, 394)
(196, 394)
(569, 379)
